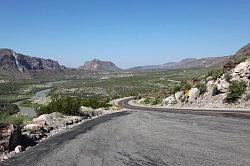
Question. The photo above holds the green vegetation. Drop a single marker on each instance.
(93, 103)
(19, 119)
(235, 90)
(29, 103)
(215, 91)
(70, 105)
(176, 88)
(216, 73)
(66, 105)
(227, 77)
(186, 86)
(202, 87)
(240, 58)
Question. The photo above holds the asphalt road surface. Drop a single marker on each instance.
(145, 138)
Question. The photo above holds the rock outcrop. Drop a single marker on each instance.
(97, 65)
(9, 59)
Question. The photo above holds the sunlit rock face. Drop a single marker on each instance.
(11, 59)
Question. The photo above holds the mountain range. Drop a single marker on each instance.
(18, 66)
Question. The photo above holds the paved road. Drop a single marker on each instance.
(145, 138)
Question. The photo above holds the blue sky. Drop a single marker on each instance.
(127, 32)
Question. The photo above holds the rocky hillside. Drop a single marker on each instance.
(9, 59)
(186, 64)
(227, 87)
(97, 65)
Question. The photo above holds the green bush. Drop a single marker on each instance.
(186, 86)
(155, 101)
(71, 105)
(235, 90)
(147, 101)
(8, 107)
(94, 103)
(66, 105)
(217, 73)
(227, 77)
(202, 87)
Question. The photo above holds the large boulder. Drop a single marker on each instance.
(178, 95)
(33, 127)
(210, 86)
(222, 85)
(193, 94)
(242, 71)
(169, 100)
(10, 137)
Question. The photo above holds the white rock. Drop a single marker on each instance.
(42, 119)
(210, 85)
(18, 149)
(169, 100)
(178, 95)
(222, 85)
(33, 127)
(193, 94)
(242, 71)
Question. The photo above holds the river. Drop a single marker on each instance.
(29, 110)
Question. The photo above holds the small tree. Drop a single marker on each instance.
(235, 90)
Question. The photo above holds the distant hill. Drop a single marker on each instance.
(15, 65)
(186, 64)
(97, 65)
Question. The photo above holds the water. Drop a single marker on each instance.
(29, 110)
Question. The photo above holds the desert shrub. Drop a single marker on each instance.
(147, 101)
(186, 86)
(202, 87)
(217, 73)
(227, 77)
(175, 88)
(29, 103)
(71, 105)
(155, 101)
(235, 90)
(8, 107)
(66, 105)
(94, 103)
(215, 91)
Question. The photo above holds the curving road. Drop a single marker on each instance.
(145, 138)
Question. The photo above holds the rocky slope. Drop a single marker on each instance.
(97, 65)
(12, 63)
(227, 87)
(186, 64)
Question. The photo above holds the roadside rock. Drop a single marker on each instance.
(33, 127)
(242, 71)
(18, 149)
(178, 95)
(210, 85)
(193, 94)
(169, 100)
(222, 85)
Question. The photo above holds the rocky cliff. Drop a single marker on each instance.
(10, 60)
